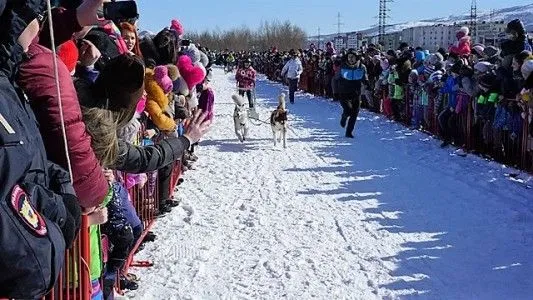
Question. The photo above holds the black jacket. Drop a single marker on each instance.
(141, 159)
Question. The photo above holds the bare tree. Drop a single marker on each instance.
(283, 36)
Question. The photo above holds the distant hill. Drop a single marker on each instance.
(522, 12)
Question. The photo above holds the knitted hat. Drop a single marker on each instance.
(420, 55)
(483, 67)
(177, 28)
(68, 53)
(162, 78)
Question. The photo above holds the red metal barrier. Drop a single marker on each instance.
(74, 281)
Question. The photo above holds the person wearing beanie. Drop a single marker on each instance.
(68, 53)
(483, 67)
(177, 28)
(477, 50)
(515, 43)
(158, 85)
(462, 46)
(352, 76)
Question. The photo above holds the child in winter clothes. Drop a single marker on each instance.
(384, 88)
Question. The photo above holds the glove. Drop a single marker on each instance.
(73, 220)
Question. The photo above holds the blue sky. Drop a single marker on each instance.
(309, 14)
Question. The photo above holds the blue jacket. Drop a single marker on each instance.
(351, 78)
(448, 89)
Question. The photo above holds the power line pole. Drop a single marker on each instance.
(382, 17)
(473, 20)
(339, 24)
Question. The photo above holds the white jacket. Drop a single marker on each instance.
(293, 69)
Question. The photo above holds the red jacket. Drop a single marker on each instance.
(36, 78)
(246, 78)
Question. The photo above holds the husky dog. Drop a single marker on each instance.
(278, 122)
(240, 117)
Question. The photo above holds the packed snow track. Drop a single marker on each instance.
(388, 215)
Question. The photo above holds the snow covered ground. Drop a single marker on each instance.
(387, 215)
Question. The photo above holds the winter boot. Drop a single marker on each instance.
(350, 127)
(344, 118)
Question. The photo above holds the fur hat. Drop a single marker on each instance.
(69, 54)
(196, 55)
(462, 32)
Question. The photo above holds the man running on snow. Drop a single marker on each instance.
(246, 80)
(292, 69)
(352, 76)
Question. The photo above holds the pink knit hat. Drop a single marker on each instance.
(162, 78)
(176, 26)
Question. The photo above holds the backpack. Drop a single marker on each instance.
(31, 215)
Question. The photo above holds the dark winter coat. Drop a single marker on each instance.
(351, 79)
(37, 207)
(142, 159)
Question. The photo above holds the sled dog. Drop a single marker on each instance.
(240, 117)
(278, 122)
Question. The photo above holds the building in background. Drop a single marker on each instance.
(430, 37)
(339, 42)
(491, 33)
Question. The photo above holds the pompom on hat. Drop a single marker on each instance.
(176, 26)
(162, 79)
(69, 54)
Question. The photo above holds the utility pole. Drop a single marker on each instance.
(339, 24)
(473, 21)
(382, 17)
